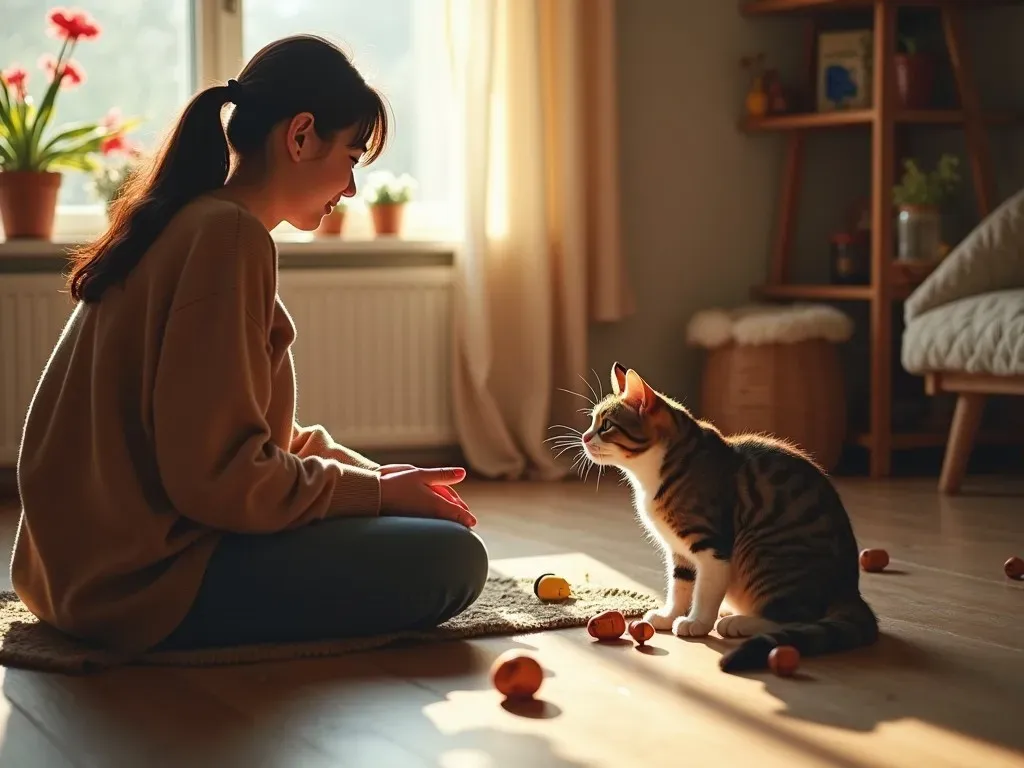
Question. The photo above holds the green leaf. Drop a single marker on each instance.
(72, 163)
(82, 149)
(76, 131)
(46, 108)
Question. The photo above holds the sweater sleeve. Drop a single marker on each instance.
(317, 441)
(217, 461)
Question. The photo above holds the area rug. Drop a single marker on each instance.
(507, 606)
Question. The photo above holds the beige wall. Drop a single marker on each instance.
(699, 195)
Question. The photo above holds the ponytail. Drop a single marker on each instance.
(192, 161)
(301, 73)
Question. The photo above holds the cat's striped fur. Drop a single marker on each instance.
(755, 536)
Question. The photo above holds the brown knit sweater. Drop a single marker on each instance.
(165, 417)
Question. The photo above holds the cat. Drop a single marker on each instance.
(755, 536)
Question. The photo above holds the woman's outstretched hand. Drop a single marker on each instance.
(414, 492)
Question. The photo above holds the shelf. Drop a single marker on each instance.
(809, 291)
(804, 121)
(903, 441)
(772, 7)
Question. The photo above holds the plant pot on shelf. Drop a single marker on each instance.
(919, 233)
(387, 218)
(28, 202)
(915, 79)
(331, 224)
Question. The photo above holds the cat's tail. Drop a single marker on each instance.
(848, 625)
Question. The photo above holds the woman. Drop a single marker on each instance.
(170, 499)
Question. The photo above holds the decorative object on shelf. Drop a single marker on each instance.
(332, 224)
(756, 102)
(918, 199)
(850, 258)
(915, 76)
(776, 369)
(779, 101)
(387, 196)
(31, 159)
(845, 70)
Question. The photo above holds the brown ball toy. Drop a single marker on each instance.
(874, 560)
(607, 626)
(1014, 568)
(516, 675)
(642, 631)
(784, 660)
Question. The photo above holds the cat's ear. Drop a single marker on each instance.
(618, 378)
(638, 393)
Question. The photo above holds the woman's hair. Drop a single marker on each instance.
(303, 73)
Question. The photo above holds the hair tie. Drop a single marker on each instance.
(234, 91)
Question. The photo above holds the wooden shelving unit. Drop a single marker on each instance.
(885, 288)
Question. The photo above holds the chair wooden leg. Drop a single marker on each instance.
(966, 419)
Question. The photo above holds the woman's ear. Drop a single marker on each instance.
(297, 135)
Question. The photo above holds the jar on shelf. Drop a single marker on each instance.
(919, 233)
(850, 259)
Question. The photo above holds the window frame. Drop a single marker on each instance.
(217, 52)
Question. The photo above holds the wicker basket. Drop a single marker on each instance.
(792, 389)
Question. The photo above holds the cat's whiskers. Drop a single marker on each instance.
(596, 398)
(577, 394)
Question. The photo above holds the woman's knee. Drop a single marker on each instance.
(464, 564)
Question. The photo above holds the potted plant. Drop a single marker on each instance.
(918, 199)
(387, 196)
(332, 223)
(31, 158)
(915, 75)
(120, 161)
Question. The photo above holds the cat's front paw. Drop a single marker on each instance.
(738, 625)
(684, 626)
(660, 620)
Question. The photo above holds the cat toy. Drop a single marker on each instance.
(551, 588)
(516, 675)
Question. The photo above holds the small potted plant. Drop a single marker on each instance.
(915, 75)
(386, 197)
(120, 161)
(31, 158)
(331, 224)
(918, 199)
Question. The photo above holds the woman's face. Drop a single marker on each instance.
(318, 174)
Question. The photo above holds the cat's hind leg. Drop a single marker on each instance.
(679, 593)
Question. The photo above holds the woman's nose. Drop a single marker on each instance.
(350, 190)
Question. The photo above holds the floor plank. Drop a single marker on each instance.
(942, 688)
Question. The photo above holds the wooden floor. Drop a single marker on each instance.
(945, 686)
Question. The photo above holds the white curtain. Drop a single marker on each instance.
(533, 93)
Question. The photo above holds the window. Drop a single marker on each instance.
(152, 55)
(141, 64)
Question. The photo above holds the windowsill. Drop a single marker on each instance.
(296, 251)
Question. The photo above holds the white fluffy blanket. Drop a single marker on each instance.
(768, 324)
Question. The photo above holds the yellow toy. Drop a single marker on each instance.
(549, 587)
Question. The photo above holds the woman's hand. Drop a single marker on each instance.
(415, 492)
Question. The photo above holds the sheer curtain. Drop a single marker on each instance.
(534, 100)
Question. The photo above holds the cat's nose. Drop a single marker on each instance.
(588, 436)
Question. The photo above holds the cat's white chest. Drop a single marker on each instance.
(645, 476)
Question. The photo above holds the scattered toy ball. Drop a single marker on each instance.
(641, 630)
(784, 660)
(516, 674)
(607, 626)
(874, 560)
(1014, 568)
(549, 587)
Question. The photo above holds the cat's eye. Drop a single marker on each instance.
(606, 426)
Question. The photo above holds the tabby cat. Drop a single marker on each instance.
(754, 533)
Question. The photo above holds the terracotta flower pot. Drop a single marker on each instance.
(915, 80)
(387, 219)
(331, 225)
(28, 202)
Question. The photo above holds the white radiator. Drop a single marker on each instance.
(372, 356)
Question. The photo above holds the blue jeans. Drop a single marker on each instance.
(342, 577)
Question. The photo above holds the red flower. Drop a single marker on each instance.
(72, 23)
(16, 77)
(72, 71)
(118, 143)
